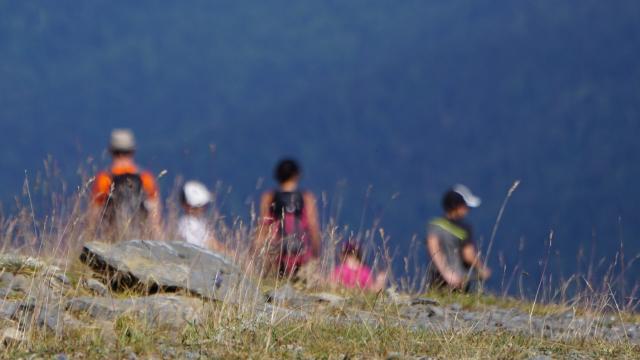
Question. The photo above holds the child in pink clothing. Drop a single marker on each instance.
(352, 273)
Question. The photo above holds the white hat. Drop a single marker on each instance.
(122, 140)
(196, 194)
(471, 200)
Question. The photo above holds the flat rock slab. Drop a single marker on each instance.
(168, 310)
(170, 266)
(424, 301)
(287, 295)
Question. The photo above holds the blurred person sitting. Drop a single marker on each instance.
(125, 200)
(193, 226)
(352, 273)
(455, 258)
(289, 233)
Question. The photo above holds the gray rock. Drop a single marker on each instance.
(470, 316)
(15, 263)
(4, 292)
(41, 311)
(130, 354)
(287, 295)
(20, 283)
(436, 311)
(424, 301)
(12, 337)
(6, 278)
(394, 356)
(167, 310)
(284, 294)
(329, 298)
(170, 266)
(396, 297)
(190, 355)
(96, 287)
(266, 312)
(62, 278)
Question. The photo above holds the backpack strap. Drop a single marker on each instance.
(287, 203)
(451, 228)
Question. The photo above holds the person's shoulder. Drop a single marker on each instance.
(437, 222)
(308, 196)
(102, 181)
(104, 174)
(454, 228)
(268, 195)
(149, 182)
(147, 174)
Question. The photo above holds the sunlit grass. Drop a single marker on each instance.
(226, 330)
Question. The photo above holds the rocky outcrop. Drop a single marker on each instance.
(157, 310)
(179, 287)
(287, 295)
(36, 294)
(156, 266)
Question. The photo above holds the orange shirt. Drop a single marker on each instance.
(102, 184)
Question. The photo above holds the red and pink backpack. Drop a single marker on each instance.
(291, 228)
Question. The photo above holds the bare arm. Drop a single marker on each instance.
(470, 256)
(439, 260)
(94, 217)
(311, 206)
(155, 217)
(263, 229)
(379, 282)
(153, 203)
(215, 245)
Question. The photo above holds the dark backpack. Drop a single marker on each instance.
(291, 221)
(126, 201)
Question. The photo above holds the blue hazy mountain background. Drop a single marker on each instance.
(397, 99)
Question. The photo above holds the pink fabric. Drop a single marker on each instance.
(351, 278)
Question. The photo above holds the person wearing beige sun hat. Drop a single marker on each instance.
(125, 200)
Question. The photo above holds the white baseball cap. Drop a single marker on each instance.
(195, 194)
(471, 200)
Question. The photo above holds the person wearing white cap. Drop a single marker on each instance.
(193, 226)
(125, 199)
(455, 259)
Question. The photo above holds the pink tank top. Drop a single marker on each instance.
(360, 277)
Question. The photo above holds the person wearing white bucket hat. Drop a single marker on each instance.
(193, 226)
(455, 259)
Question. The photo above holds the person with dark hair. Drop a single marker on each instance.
(125, 201)
(455, 259)
(290, 228)
(352, 273)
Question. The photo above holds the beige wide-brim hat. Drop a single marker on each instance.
(122, 140)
